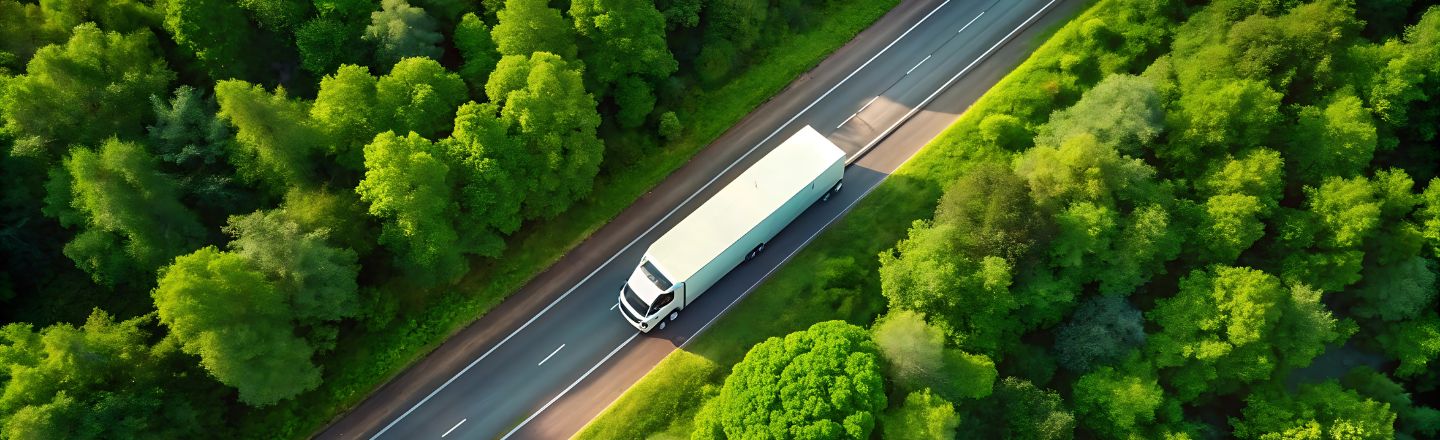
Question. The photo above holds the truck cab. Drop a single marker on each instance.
(649, 297)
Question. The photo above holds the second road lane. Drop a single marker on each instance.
(548, 359)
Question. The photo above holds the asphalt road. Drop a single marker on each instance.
(551, 357)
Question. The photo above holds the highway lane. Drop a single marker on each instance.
(562, 327)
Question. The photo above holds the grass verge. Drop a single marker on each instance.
(366, 359)
(803, 292)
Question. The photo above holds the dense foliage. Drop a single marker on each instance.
(209, 198)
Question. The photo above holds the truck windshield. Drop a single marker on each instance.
(635, 302)
(654, 275)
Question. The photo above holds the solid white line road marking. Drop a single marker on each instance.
(657, 224)
(977, 17)
(572, 385)
(942, 88)
(452, 428)
(552, 354)
(852, 116)
(917, 65)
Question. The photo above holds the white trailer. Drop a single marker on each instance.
(730, 228)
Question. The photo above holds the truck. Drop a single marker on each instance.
(730, 228)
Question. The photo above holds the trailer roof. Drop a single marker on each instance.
(744, 203)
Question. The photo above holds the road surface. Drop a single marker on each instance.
(556, 353)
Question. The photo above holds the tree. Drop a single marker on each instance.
(275, 138)
(549, 112)
(493, 175)
(132, 218)
(1230, 223)
(916, 358)
(1258, 172)
(1020, 410)
(1081, 169)
(1229, 326)
(1114, 404)
(277, 15)
(346, 109)
(1122, 111)
(224, 310)
(670, 126)
(922, 416)
(822, 382)
(419, 96)
(477, 48)
(101, 380)
(1396, 292)
(85, 90)
(401, 31)
(529, 26)
(1324, 410)
(993, 213)
(1101, 331)
(187, 136)
(1338, 140)
(215, 32)
(1217, 117)
(1348, 211)
(1414, 342)
(626, 53)
(325, 43)
(316, 279)
(970, 298)
(409, 187)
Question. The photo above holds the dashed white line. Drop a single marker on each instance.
(572, 385)
(972, 21)
(613, 306)
(867, 104)
(917, 65)
(653, 226)
(552, 354)
(947, 84)
(852, 116)
(452, 428)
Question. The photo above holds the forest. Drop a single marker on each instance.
(1178, 220)
(205, 202)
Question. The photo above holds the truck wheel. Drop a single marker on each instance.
(825, 197)
(674, 315)
(661, 326)
(760, 249)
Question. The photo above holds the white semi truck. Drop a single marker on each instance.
(730, 228)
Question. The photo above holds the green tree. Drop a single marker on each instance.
(970, 298)
(101, 380)
(492, 173)
(221, 308)
(22, 32)
(472, 38)
(1020, 410)
(1324, 410)
(1113, 404)
(215, 32)
(1122, 111)
(1229, 225)
(550, 113)
(409, 187)
(529, 26)
(1414, 342)
(346, 110)
(1396, 292)
(187, 136)
(317, 279)
(275, 138)
(326, 43)
(401, 31)
(419, 96)
(822, 382)
(626, 52)
(1101, 331)
(1229, 326)
(1258, 172)
(277, 15)
(1219, 116)
(131, 215)
(85, 90)
(922, 416)
(1081, 169)
(1338, 140)
(916, 358)
(993, 213)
